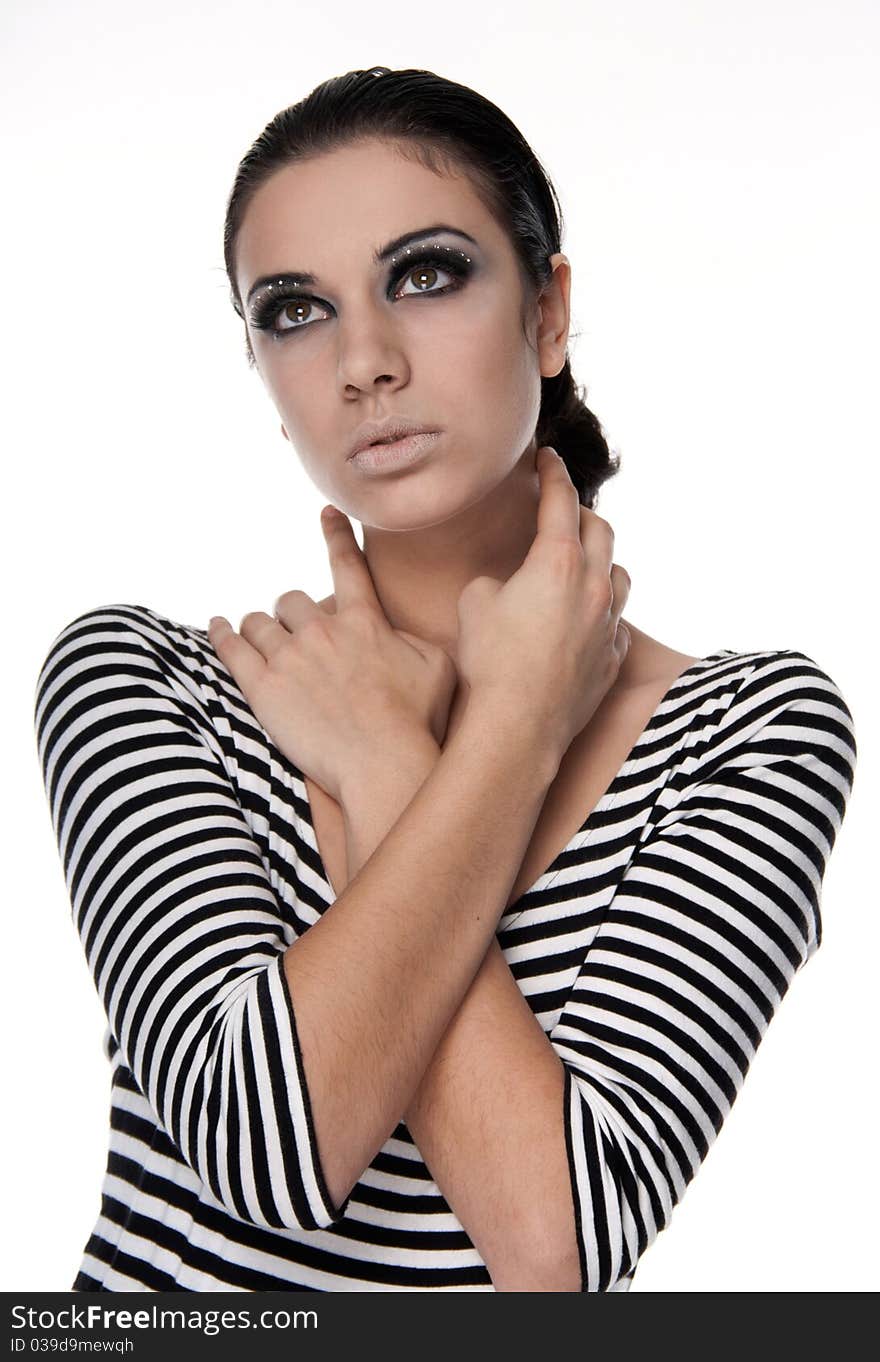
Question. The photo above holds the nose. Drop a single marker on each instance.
(370, 354)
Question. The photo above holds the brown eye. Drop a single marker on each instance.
(280, 316)
(425, 278)
(297, 310)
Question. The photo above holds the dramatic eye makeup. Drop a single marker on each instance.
(282, 299)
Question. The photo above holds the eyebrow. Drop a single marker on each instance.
(379, 257)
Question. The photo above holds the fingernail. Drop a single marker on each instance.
(215, 620)
(329, 514)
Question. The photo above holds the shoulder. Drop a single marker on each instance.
(729, 692)
(125, 640)
(744, 680)
(774, 681)
(741, 675)
(125, 625)
(776, 716)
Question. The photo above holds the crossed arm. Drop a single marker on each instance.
(708, 925)
(487, 1116)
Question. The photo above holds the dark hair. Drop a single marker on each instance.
(441, 124)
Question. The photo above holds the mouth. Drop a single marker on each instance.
(386, 432)
(395, 453)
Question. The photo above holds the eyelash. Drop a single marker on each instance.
(267, 310)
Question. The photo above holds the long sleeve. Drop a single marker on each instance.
(716, 910)
(177, 916)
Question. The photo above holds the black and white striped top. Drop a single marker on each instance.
(654, 952)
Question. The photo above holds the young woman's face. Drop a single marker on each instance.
(434, 336)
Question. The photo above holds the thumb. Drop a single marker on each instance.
(414, 642)
(479, 590)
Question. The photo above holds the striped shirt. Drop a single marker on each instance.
(653, 952)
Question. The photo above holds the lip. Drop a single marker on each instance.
(398, 454)
(394, 426)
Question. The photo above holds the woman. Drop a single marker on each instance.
(436, 923)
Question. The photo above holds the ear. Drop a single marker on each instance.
(554, 315)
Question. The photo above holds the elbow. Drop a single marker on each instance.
(548, 1274)
(262, 1182)
(547, 1258)
(251, 1136)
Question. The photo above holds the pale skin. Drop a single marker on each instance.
(478, 1085)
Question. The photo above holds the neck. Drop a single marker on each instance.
(420, 574)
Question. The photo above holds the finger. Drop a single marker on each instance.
(352, 582)
(243, 662)
(558, 505)
(293, 608)
(263, 632)
(622, 641)
(597, 541)
(620, 586)
(414, 642)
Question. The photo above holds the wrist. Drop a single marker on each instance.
(376, 795)
(400, 763)
(498, 720)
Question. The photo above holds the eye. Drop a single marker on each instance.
(297, 309)
(424, 276)
(422, 265)
(276, 306)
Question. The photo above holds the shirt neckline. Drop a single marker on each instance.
(702, 664)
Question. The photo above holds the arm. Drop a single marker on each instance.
(375, 982)
(186, 942)
(488, 1113)
(712, 917)
(179, 922)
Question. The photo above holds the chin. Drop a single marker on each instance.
(408, 523)
(434, 511)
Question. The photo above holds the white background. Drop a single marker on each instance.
(717, 167)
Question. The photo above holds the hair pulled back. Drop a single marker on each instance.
(443, 126)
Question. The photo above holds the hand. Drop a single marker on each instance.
(548, 642)
(335, 690)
